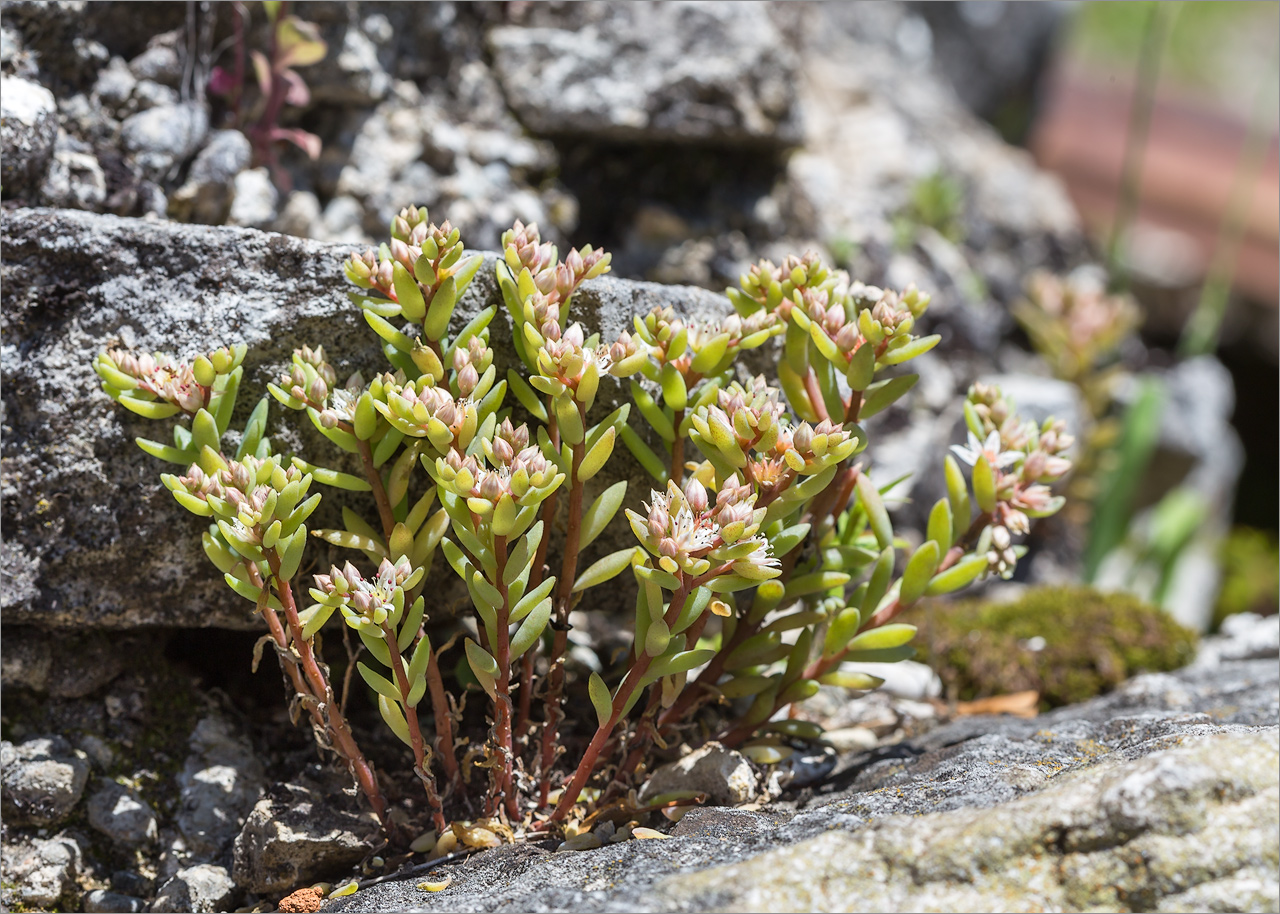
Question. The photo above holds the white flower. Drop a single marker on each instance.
(990, 449)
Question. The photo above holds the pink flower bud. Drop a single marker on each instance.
(502, 451)
(468, 378)
(695, 494)
(491, 487)
(448, 413)
(318, 391)
(574, 263)
(461, 358)
(802, 438)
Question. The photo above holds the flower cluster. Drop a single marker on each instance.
(1013, 464)
(766, 558)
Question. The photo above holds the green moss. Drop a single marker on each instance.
(1092, 642)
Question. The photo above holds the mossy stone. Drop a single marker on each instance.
(1092, 641)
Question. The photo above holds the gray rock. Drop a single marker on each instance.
(1179, 771)
(75, 181)
(43, 780)
(218, 786)
(100, 901)
(725, 776)
(255, 198)
(115, 83)
(198, 889)
(684, 72)
(25, 659)
(28, 128)
(207, 195)
(162, 137)
(43, 871)
(295, 837)
(300, 215)
(1243, 636)
(122, 815)
(80, 498)
(160, 62)
(148, 94)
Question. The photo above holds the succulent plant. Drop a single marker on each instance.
(764, 557)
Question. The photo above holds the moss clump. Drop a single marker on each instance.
(1092, 642)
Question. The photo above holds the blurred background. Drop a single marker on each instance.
(1089, 189)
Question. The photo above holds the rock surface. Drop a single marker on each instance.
(218, 786)
(43, 780)
(198, 889)
(81, 502)
(722, 774)
(1164, 795)
(28, 128)
(294, 837)
(684, 72)
(43, 871)
(122, 815)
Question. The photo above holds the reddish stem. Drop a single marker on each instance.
(344, 742)
(379, 490)
(421, 766)
(564, 599)
(443, 719)
(502, 703)
(815, 395)
(629, 684)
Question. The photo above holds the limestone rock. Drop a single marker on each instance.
(43, 871)
(164, 136)
(197, 889)
(100, 901)
(28, 128)
(683, 72)
(725, 776)
(218, 786)
(123, 816)
(295, 837)
(1164, 795)
(43, 780)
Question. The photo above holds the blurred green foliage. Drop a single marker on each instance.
(1205, 45)
(1251, 574)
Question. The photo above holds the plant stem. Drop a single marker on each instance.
(677, 449)
(815, 395)
(548, 518)
(443, 719)
(502, 704)
(560, 642)
(379, 490)
(1159, 23)
(344, 742)
(629, 684)
(422, 766)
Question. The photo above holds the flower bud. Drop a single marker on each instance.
(318, 391)
(468, 378)
(802, 438)
(695, 494)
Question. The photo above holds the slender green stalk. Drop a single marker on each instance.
(1159, 24)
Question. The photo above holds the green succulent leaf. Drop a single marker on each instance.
(883, 394)
(605, 569)
(600, 698)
